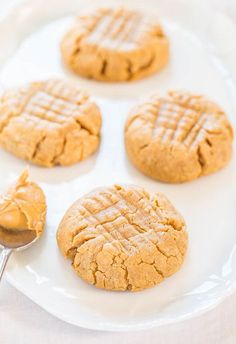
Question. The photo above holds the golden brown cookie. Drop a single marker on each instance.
(115, 45)
(121, 238)
(49, 123)
(23, 206)
(179, 137)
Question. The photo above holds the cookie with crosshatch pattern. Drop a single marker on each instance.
(115, 44)
(178, 137)
(49, 123)
(122, 238)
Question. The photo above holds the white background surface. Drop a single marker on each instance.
(23, 322)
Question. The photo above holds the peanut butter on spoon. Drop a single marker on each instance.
(22, 216)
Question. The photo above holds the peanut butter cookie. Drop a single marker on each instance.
(115, 45)
(49, 123)
(179, 137)
(23, 206)
(121, 238)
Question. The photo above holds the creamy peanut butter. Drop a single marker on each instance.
(23, 206)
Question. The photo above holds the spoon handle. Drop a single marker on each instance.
(3, 260)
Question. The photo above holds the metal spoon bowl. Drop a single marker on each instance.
(14, 240)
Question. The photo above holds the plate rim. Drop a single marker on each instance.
(110, 327)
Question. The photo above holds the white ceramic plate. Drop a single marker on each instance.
(202, 60)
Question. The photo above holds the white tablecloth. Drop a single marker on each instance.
(23, 322)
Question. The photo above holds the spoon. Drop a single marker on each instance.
(14, 240)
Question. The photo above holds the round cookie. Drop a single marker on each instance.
(115, 45)
(121, 238)
(179, 137)
(49, 123)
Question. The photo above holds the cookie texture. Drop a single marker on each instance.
(115, 45)
(179, 137)
(49, 123)
(23, 206)
(121, 238)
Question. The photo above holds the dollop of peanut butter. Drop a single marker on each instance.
(23, 206)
